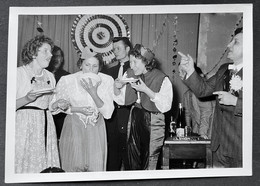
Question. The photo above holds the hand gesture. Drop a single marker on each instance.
(187, 64)
(139, 86)
(61, 104)
(87, 111)
(89, 87)
(182, 72)
(226, 98)
(32, 96)
(118, 83)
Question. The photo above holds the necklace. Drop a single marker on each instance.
(33, 76)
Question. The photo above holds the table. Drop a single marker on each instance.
(186, 148)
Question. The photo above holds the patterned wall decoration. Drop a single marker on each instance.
(175, 43)
(96, 32)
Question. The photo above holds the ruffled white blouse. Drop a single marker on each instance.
(70, 89)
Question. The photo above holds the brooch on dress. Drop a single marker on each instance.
(34, 80)
(236, 84)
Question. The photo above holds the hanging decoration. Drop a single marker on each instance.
(96, 32)
(175, 43)
(158, 37)
(39, 25)
(175, 39)
(238, 24)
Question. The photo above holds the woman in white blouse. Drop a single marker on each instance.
(152, 96)
(87, 97)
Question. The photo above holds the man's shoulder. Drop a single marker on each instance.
(62, 72)
(111, 65)
(111, 70)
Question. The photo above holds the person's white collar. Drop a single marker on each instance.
(235, 67)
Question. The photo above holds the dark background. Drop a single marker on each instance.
(248, 180)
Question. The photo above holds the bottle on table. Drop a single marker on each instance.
(172, 130)
(180, 122)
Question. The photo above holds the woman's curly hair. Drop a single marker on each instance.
(30, 49)
(146, 55)
(98, 56)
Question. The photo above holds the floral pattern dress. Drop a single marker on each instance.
(83, 141)
(32, 154)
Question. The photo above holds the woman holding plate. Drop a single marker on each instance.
(152, 95)
(87, 98)
(35, 135)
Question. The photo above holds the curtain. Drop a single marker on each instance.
(57, 27)
(144, 29)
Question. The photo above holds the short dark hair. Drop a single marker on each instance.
(98, 56)
(125, 40)
(146, 55)
(56, 49)
(52, 65)
(31, 48)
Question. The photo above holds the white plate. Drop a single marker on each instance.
(129, 80)
(44, 91)
(94, 77)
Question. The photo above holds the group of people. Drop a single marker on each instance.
(114, 117)
(96, 134)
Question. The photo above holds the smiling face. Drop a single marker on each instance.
(44, 55)
(137, 65)
(236, 49)
(90, 65)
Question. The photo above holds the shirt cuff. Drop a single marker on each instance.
(188, 75)
(155, 97)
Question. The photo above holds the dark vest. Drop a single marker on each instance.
(153, 79)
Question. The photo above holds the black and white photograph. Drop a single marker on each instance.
(98, 93)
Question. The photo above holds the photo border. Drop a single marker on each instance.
(14, 12)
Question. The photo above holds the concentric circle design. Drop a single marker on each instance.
(97, 32)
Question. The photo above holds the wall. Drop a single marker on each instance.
(209, 32)
(215, 33)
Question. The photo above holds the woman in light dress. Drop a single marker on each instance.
(87, 98)
(35, 134)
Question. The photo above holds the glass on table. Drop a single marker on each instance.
(187, 131)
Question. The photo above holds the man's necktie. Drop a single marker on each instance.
(120, 72)
(227, 77)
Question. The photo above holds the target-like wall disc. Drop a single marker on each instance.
(96, 32)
